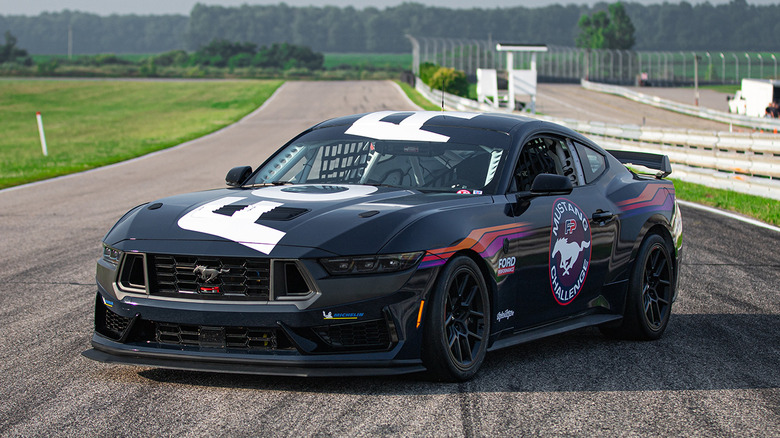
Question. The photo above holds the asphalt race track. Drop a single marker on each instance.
(571, 101)
(714, 373)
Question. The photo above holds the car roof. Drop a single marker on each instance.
(492, 121)
(513, 125)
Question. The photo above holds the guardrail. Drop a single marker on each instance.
(691, 110)
(741, 162)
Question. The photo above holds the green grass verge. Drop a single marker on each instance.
(763, 209)
(93, 123)
(417, 98)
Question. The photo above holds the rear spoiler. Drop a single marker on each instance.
(651, 161)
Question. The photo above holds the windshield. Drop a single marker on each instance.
(420, 165)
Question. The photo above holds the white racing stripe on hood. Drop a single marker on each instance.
(240, 227)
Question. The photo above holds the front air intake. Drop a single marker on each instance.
(289, 282)
(133, 274)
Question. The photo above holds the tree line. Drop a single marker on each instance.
(224, 53)
(47, 33)
(733, 26)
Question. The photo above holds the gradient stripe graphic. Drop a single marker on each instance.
(486, 241)
(655, 197)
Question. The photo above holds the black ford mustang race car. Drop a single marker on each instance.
(393, 242)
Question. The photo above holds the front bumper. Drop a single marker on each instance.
(108, 351)
(379, 336)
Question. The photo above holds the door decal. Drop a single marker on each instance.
(570, 252)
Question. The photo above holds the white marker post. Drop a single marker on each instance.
(40, 131)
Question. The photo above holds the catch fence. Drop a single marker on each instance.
(625, 67)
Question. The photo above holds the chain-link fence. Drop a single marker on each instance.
(569, 64)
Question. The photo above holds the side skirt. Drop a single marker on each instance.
(556, 328)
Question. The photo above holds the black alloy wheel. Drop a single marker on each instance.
(650, 293)
(458, 324)
(657, 287)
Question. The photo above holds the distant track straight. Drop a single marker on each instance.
(574, 102)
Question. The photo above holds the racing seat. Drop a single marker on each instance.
(473, 170)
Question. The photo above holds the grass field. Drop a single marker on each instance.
(378, 61)
(93, 123)
(728, 89)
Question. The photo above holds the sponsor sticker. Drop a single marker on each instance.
(331, 315)
(570, 251)
(506, 266)
(463, 192)
(506, 314)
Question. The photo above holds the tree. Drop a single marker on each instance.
(620, 32)
(593, 31)
(9, 52)
(446, 79)
(219, 51)
(602, 31)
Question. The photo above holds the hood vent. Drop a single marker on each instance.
(229, 209)
(281, 214)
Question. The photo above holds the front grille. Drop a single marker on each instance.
(217, 277)
(368, 334)
(238, 338)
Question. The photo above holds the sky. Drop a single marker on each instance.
(157, 7)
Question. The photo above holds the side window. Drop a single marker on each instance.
(593, 163)
(543, 155)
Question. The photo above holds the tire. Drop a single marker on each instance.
(458, 323)
(650, 293)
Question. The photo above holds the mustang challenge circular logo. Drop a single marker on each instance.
(569, 250)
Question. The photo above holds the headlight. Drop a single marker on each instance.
(371, 264)
(111, 255)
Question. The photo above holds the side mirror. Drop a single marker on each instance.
(550, 184)
(238, 175)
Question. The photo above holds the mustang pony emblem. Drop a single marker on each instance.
(569, 251)
(570, 241)
(207, 274)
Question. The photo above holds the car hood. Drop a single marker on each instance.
(337, 219)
